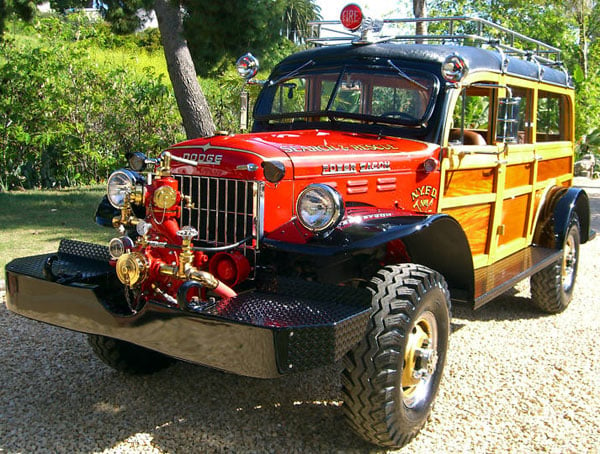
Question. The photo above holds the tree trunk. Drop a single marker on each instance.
(192, 104)
(420, 10)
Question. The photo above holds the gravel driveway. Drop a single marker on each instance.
(515, 381)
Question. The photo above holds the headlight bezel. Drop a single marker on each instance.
(334, 212)
(130, 182)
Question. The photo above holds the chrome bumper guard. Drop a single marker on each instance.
(301, 325)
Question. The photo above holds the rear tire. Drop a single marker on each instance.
(126, 357)
(391, 378)
(552, 288)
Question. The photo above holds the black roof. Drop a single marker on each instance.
(477, 59)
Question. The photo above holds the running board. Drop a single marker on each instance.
(494, 280)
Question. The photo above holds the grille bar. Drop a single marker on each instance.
(225, 211)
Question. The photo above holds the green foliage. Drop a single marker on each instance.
(223, 97)
(66, 120)
(3, 16)
(589, 143)
(77, 27)
(25, 9)
(63, 6)
(296, 16)
(219, 32)
(122, 15)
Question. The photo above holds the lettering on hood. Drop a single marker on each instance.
(319, 148)
(210, 159)
(338, 168)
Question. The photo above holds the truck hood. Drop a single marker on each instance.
(304, 154)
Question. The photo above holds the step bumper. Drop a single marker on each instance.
(265, 335)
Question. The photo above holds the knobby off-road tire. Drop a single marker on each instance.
(392, 376)
(126, 357)
(552, 288)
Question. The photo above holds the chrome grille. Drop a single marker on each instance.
(225, 211)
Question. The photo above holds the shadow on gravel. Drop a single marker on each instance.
(509, 306)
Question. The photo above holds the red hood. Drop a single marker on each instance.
(305, 154)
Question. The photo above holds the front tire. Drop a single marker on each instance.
(126, 357)
(391, 378)
(552, 288)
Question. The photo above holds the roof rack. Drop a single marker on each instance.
(461, 30)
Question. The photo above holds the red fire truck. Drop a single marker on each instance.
(382, 180)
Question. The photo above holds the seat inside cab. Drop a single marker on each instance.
(468, 137)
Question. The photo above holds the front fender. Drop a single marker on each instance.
(105, 212)
(436, 241)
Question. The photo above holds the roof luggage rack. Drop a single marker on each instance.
(457, 30)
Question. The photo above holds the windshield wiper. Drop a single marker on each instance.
(292, 72)
(406, 76)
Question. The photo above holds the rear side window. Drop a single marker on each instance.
(552, 124)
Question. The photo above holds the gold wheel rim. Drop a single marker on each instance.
(420, 360)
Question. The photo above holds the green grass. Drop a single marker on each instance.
(34, 222)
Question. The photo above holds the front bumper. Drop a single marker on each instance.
(301, 326)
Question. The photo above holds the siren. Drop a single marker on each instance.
(351, 17)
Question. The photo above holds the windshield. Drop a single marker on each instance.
(385, 95)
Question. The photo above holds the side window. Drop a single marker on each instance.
(525, 114)
(472, 114)
(552, 110)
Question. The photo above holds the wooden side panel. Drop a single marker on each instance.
(553, 168)
(468, 182)
(475, 221)
(514, 219)
(518, 175)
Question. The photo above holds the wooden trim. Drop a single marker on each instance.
(456, 202)
(475, 220)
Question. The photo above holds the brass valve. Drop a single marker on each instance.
(186, 258)
(165, 165)
(132, 268)
(127, 218)
(188, 204)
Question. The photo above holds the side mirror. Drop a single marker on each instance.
(247, 67)
(507, 129)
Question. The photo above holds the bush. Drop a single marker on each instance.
(65, 120)
(75, 97)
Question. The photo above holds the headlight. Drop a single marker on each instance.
(319, 207)
(121, 183)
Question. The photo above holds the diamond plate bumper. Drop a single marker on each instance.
(302, 326)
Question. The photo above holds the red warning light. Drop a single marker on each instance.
(351, 17)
